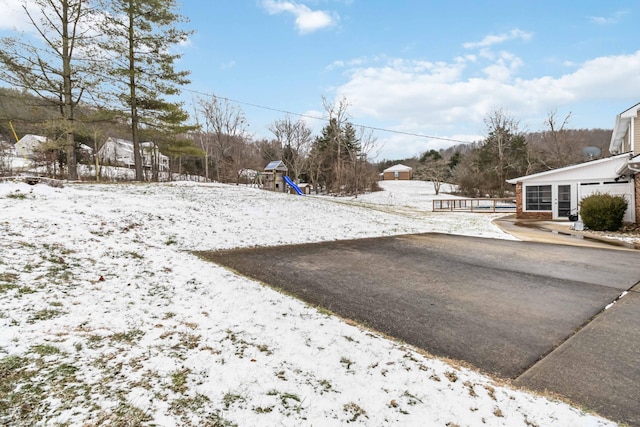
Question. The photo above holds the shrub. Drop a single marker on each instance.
(603, 212)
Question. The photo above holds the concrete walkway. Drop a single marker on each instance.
(557, 232)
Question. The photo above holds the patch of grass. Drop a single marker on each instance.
(451, 376)
(232, 398)
(8, 281)
(23, 290)
(95, 341)
(129, 337)
(189, 405)
(324, 311)
(123, 415)
(16, 196)
(6, 287)
(45, 350)
(134, 255)
(264, 349)
(9, 277)
(354, 410)
(346, 362)
(179, 380)
(472, 391)
(326, 386)
(491, 392)
(286, 397)
(15, 404)
(45, 314)
(171, 241)
(411, 399)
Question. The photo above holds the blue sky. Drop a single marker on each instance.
(423, 67)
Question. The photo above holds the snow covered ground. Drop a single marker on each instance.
(108, 319)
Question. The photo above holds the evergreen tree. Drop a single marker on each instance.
(142, 62)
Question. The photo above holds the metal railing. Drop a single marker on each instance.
(475, 205)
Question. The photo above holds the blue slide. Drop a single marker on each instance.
(293, 185)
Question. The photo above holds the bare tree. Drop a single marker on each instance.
(359, 154)
(59, 68)
(295, 138)
(226, 123)
(504, 152)
(434, 168)
(557, 146)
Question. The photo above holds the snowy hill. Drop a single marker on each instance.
(108, 319)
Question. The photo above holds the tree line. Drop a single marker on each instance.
(481, 168)
(99, 68)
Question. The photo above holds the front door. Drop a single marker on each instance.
(564, 201)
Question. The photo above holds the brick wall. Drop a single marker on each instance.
(520, 214)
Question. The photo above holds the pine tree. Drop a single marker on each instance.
(142, 62)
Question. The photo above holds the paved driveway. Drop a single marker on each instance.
(499, 305)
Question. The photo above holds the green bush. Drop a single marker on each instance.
(603, 212)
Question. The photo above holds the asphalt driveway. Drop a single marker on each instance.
(502, 306)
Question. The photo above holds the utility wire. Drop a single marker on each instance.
(308, 116)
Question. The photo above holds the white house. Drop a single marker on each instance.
(557, 193)
(27, 146)
(119, 152)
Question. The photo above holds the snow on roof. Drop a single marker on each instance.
(398, 168)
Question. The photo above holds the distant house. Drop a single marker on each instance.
(119, 152)
(27, 146)
(557, 193)
(397, 172)
(30, 145)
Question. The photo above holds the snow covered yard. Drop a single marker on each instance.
(108, 319)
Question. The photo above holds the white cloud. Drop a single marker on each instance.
(306, 19)
(453, 98)
(491, 40)
(13, 17)
(609, 20)
(227, 65)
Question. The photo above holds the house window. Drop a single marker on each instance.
(539, 198)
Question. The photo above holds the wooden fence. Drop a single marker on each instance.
(475, 205)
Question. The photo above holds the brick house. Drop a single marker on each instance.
(397, 172)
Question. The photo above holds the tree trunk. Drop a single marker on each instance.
(137, 158)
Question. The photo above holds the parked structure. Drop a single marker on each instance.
(397, 172)
(557, 193)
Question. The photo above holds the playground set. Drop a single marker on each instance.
(276, 179)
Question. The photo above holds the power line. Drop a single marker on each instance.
(308, 116)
